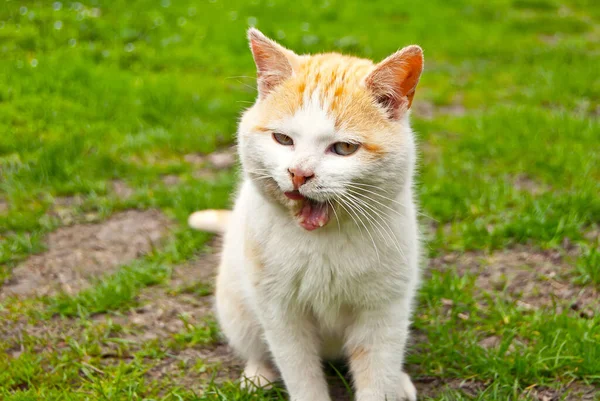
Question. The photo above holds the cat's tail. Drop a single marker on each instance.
(213, 221)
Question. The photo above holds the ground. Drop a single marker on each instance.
(117, 120)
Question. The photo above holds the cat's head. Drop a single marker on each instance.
(328, 135)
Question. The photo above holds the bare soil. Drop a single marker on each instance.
(207, 165)
(121, 189)
(434, 387)
(530, 278)
(428, 111)
(159, 315)
(193, 368)
(522, 182)
(221, 159)
(78, 253)
(573, 392)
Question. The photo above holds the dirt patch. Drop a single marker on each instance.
(166, 311)
(170, 180)
(430, 386)
(162, 315)
(221, 159)
(3, 206)
(428, 111)
(194, 368)
(202, 269)
(163, 309)
(550, 39)
(531, 279)
(121, 189)
(208, 165)
(65, 209)
(572, 392)
(49, 334)
(68, 201)
(524, 183)
(80, 252)
(593, 235)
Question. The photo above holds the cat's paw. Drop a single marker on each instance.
(258, 375)
(406, 389)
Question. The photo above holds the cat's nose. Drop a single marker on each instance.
(300, 176)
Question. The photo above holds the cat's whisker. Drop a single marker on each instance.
(362, 184)
(378, 216)
(370, 210)
(241, 76)
(343, 205)
(353, 185)
(245, 84)
(375, 201)
(384, 205)
(359, 186)
(259, 173)
(259, 169)
(259, 176)
(337, 219)
(366, 229)
(389, 199)
(360, 206)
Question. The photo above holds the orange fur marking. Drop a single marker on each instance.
(373, 148)
(338, 82)
(253, 253)
(358, 354)
(301, 87)
(360, 368)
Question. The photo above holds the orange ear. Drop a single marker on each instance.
(394, 80)
(273, 62)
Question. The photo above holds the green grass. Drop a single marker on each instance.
(588, 266)
(97, 91)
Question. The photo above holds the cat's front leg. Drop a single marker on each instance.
(294, 344)
(375, 347)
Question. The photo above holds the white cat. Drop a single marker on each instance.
(321, 251)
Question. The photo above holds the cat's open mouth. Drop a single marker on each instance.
(313, 214)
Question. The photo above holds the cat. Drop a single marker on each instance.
(321, 252)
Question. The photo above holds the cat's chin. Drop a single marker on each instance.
(311, 214)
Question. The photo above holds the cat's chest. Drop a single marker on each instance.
(328, 272)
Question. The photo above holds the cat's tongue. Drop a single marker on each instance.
(313, 215)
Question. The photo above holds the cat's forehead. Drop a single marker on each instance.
(332, 70)
(326, 93)
(311, 120)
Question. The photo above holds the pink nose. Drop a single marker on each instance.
(300, 177)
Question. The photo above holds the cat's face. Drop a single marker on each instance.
(328, 136)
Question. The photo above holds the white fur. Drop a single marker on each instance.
(325, 293)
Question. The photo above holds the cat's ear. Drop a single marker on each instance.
(394, 80)
(274, 63)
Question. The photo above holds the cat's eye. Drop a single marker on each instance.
(344, 148)
(283, 139)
